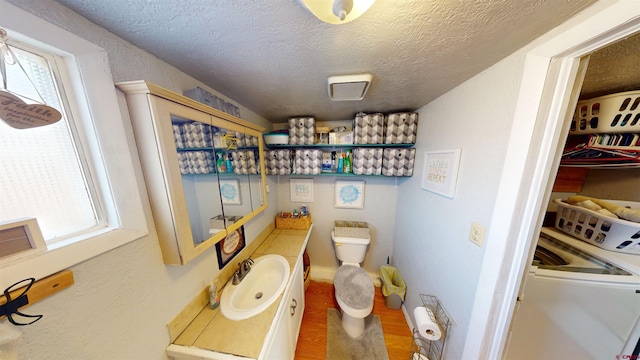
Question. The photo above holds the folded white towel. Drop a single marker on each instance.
(629, 214)
(607, 213)
(588, 204)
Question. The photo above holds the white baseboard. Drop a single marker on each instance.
(407, 317)
(326, 274)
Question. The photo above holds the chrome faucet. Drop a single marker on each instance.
(243, 269)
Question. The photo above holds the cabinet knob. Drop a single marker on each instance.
(292, 308)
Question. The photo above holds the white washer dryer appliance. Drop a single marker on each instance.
(579, 302)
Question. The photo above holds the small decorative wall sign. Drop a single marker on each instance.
(20, 115)
(301, 190)
(13, 110)
(440, 172)
(230, 192)
(349, 194)
(230, 246)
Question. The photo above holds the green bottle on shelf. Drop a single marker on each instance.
(220, 164)
(347, 162)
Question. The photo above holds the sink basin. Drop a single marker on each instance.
(258, 290)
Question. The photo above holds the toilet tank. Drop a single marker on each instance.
(350, 250)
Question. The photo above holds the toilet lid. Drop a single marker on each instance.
(353, 286)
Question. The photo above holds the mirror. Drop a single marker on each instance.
(253, 143)
(195, 153)
(220, 165)
(183, 147)
(231, 167)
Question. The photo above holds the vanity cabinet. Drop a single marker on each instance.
(194, 204)
(200, 332)
(283, 337)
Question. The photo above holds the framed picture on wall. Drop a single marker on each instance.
(230, 246)
(230, 192)
(301, 190)
(440, 172)
(349, 194)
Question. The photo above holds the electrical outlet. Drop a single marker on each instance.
(476, 235)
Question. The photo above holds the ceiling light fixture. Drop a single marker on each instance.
(337, 11)
(348, 87)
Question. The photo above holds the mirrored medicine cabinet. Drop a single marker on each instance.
(203, 168)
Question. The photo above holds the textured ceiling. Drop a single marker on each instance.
(613, 69)
(274, 57)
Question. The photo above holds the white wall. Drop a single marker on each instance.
(121, 301)
(613, 184)
(431, 248)
(379, 211)
(381, 195)
(479, 117)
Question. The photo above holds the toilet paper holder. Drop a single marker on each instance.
(423, 348)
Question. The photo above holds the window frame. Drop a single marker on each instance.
(84, 71)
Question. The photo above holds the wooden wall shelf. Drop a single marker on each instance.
(43, 288)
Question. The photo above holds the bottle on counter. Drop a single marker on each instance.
(214, 298)
(340, 168)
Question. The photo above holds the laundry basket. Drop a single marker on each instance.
(393, 286)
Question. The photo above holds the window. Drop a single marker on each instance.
(43, 175)
(76, 176)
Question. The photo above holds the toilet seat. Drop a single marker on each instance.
(354, 290)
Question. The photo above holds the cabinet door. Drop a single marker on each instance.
(183, 184)
(233, 180)
(240, 163)
(287, 325)
(186, 198)
(281, 346)
(297, 304)
(254, 145)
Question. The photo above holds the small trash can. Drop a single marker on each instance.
(393, 287)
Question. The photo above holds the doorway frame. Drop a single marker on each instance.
(533, 155)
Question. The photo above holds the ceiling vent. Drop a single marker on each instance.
(349, 87)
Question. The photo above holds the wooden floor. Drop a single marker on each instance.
(312, 342)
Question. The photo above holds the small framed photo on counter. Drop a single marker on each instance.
(230, 246)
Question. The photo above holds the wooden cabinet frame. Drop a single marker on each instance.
(151, 107)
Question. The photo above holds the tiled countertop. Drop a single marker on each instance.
(210, 330)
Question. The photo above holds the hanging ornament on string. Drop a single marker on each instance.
(13, 110)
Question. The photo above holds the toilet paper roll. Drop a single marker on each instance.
(427, 328)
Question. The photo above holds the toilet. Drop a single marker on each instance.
(353, 287)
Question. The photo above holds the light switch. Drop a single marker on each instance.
(476, 235)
